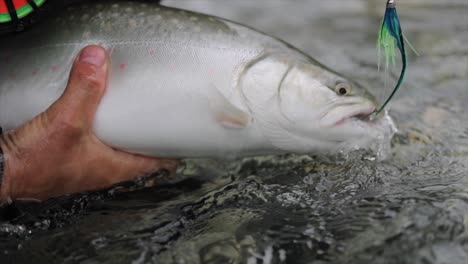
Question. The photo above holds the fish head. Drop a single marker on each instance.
(313, 97)
(305, 106)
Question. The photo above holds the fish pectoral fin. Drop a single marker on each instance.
(227, 114)
(233, 120)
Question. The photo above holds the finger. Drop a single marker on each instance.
(85, 88)
(130, 166)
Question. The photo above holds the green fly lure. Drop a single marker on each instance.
(390, 38)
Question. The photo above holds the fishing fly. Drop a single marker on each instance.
(391, 37)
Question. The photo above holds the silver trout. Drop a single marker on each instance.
(185, 84)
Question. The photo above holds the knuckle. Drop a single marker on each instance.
(85, 71)
(93, 85)
(88, 78)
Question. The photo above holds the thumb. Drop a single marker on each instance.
(85, 88)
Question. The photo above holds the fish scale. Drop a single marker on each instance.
(183, 84)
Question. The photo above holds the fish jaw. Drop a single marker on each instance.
(344, 113)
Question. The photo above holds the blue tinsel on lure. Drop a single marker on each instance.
(391, 25)
(392, 22)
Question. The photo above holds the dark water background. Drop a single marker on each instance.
(409, 208)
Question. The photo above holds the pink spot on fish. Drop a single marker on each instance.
(152, 52)
(123, 66)
(54, 68)
(34, 73)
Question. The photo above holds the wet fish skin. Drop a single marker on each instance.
(183, 84)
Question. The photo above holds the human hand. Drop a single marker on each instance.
(57, 152)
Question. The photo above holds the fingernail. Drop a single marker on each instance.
(93, 55)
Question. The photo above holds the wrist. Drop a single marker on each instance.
(11, 173)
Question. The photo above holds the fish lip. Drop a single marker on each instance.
(361, 111)
(363, 114)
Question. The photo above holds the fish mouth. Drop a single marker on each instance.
(344, 113)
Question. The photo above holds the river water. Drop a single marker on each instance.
(411, 207)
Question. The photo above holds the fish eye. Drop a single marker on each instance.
(342, 89)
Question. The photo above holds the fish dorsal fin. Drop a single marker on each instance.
(227, 114)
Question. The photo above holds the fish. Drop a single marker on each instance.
(185, 84)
